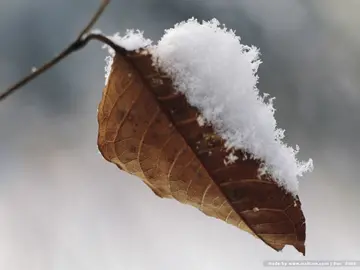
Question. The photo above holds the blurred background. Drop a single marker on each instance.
(62, 206)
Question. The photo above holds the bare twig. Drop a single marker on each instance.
(83, 38)
(94, 19)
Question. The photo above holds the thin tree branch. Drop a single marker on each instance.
(95, 17)
(83, 38)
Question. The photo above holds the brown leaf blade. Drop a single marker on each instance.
(149, 130)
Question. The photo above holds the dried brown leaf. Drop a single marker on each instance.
(149, 130)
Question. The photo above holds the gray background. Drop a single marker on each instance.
(63, 207)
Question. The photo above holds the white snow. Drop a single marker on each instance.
(200, 120)
(96, 31)
(131, 41)
(218, 75)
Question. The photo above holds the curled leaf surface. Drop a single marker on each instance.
(148, 129)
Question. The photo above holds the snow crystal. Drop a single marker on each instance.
(218, 75)
(230, 158)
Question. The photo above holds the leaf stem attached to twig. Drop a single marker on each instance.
(83, 38)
